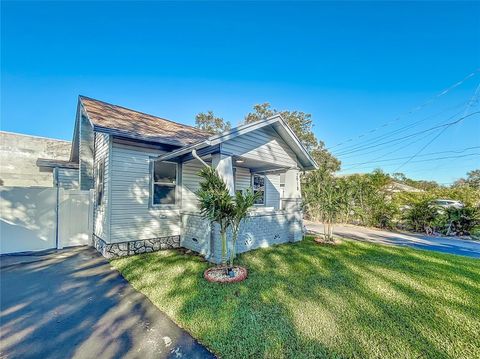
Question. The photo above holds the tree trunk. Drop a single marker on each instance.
(234, 246)
(223, 235)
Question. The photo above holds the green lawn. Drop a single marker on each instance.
(306, 300)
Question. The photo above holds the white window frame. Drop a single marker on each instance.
(152, 186)
(264, 188)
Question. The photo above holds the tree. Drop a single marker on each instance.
(302, 125)
(216, 204)
(210, 123)
(325, 199)
(244, 200)
(472, 180)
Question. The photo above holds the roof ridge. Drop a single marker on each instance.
(143, 113)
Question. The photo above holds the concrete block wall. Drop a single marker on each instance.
(261, 230)
(18, 159)
(196, 233)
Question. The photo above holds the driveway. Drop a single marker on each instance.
(72, 304)
(440, 244)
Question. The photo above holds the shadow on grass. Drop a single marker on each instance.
(306, 300)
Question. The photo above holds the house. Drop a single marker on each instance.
(20, 165)
(396, 187)
(144, 172)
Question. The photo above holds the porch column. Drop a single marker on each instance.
(223, 164)
(292, 185)
(292, 203)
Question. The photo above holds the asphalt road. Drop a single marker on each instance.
(72, 304)
(450, 245)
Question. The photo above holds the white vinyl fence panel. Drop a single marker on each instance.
(28, 218)
(75, 218)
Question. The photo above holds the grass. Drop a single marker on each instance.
(306, 300)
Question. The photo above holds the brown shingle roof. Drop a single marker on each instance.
(125, 122)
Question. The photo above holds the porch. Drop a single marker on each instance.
(276, 217)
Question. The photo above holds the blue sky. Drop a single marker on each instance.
(353, 66)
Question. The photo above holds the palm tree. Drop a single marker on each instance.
(243, 202)
(216, 204)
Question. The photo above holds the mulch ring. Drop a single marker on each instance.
(219, 274)
(321, 240)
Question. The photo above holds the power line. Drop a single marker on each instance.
(426, 160)
(445, 125)
(423, 155)
(445, 158)
(433, 169)
(362, 147)
(415, 109)
(406, 127)
(469, 105)
(396, 149)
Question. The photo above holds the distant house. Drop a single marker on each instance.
(21, 164)
(144, 172)
(395, 187)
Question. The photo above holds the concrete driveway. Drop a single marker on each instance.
(72, 304)
(440, 244)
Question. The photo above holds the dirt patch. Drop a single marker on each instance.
(221, 275)
(332, 242)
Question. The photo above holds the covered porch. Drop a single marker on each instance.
(275, 218)
(265, 156)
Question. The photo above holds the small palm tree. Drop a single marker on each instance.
(243, 202)
(216, 204)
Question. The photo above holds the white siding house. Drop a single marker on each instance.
(144, 172)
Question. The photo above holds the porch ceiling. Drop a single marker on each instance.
(252, 164)
(256, 165)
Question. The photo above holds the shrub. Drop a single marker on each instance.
(420, 217)
(458, 221)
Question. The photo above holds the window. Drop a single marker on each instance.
(100, 182)
(164, 183)
(259, 187)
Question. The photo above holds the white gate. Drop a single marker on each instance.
(75, 218)
(30, 221)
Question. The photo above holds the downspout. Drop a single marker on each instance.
(195, 155)
(209, 247)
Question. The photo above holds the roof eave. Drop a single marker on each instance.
(307, 164)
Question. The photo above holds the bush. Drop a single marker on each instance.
(458, 221)
(385, 216)
(420, 217)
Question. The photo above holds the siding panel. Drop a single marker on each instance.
(101, 213)
(132, 217)
(243, 178)
(67, 178)
(272, 187)
(191, 183)
(264, 143)
(86, 165)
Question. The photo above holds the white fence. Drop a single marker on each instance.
(30, 219)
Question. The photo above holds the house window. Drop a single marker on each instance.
(100, 182)
(164, 183)
(259, 187)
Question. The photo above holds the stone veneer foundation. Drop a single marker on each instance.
(122, 249)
